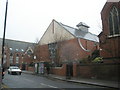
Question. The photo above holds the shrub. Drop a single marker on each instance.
(98, 60)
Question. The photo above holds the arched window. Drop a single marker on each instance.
(111, 23)
(114, 21)
(29, 52)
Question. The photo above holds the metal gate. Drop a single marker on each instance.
(69, 70)
(23, 66)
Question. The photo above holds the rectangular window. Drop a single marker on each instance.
(52, 49)
(17, 59)
(11, 59)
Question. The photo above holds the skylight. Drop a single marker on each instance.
(22, 50)
(16, 49)
(10, 48)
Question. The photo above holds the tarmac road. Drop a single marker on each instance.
(34, 81)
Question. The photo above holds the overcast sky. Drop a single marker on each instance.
(28, 19)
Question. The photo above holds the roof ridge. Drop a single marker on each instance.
(18, 41)
(68, 25)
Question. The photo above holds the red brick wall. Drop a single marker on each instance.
(32, 69)
(7, 51)
(71, 49)
(59, 70)
(99, 71)
(42, 53)
(68, 50)
(20, 57)
(27, 59)
(105, 15)
(109, 46)
(85, 71)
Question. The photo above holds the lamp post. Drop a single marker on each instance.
(3, 41)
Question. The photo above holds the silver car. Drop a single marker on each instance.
(14, 70)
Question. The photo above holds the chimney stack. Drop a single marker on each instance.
(82, 26)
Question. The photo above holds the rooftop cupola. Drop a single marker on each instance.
(82, 26)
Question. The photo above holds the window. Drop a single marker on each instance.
(52, 49)
(17, 58)
(22, 56)
(114, 21)
(11, 58)
(29, 52)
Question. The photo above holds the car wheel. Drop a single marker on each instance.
(8, 72)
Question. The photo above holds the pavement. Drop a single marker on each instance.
(102, 83)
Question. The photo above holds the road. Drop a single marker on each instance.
(35, 81)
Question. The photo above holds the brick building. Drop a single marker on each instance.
(110, 36)
(64, 44)
(16, 52)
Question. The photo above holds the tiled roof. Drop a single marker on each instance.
(17, 46)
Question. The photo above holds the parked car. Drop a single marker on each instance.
(14, 70)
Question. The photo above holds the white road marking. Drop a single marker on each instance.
(48, 85)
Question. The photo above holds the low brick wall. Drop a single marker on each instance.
(84, 71)
(31, 69)
(99, 71)
(59, 70)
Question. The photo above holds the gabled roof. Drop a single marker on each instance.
(17, 46)
(80, 33)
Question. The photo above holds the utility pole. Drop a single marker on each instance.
(3, 42)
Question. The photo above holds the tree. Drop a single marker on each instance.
(69, 52)
(58, 39)
(37, 40)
